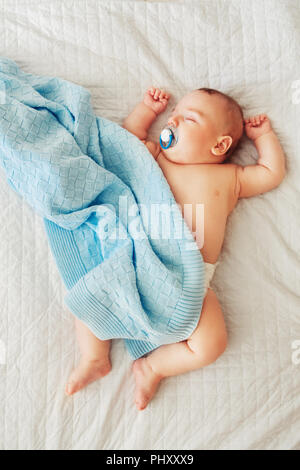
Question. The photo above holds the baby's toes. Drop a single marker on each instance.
(86, 372)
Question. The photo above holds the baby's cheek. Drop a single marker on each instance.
(210, 136)
(202, 139)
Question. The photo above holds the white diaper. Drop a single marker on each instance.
(209, 273)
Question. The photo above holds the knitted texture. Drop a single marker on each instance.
(97, 187)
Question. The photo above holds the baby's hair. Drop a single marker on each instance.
(237, 114)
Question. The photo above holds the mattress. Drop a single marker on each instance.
(249, 398)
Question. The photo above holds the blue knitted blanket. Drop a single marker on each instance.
(127, 258)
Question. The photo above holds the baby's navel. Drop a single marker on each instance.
(217, 192)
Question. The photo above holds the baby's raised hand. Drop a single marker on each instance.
(156, 99)
(257, 126)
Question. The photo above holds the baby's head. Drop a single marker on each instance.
(210, 125)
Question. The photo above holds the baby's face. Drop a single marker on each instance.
(199, 119)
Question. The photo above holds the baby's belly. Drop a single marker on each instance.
(202, 195)
(207, 222)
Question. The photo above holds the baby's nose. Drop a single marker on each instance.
(172, 122)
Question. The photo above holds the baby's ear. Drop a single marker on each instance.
(222, 146)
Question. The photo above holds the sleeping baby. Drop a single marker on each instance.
(202, 131)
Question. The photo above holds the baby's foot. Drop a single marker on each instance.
(86, 372)
(146, 382)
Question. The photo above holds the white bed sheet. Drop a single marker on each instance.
(249, 398)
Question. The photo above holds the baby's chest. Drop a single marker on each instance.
(203, 191)
(202, 206)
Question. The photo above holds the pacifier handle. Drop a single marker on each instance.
(166, 138)
(169, 143)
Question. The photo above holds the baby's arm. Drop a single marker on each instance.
(141, 118)
(270, 168)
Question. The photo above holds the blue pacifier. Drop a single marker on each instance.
(168, 137)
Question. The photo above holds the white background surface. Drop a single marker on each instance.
(249, 398)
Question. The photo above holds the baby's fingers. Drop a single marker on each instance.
(248, 123)
(164, 101)
(160, 94)
(157, 93)
(256, 120)
(163, 94)
(260, 119)
(152, 91)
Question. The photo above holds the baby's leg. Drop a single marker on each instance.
(204, 346)
(94, 362)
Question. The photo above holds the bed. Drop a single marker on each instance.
(250, 397)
